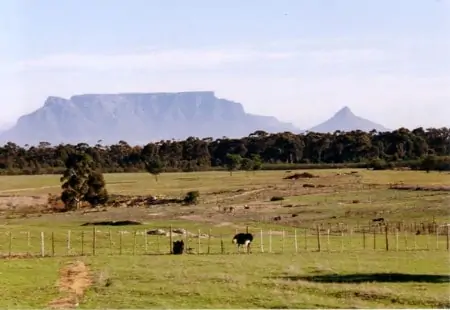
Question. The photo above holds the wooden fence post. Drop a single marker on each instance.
(448, 241)
(134, 242)
(82, 242)
(437, 237)
(69, 246)
(53, 243)
(306, 239)
(28, 243)
(198, 242)
(282, 241)
(350, 238)
(186, 239)
(295, 241)
(222, 250)
(270, 240)
(42, 244)
(406, 239)
(374, 239)
(120, 242)
(318, 238)
(94, 240)
(170, 239)
(387, 237)
(158, 250)
(262, 241)
(396, 239)
(110, 242)
(328, 240)
(145, 242)
(10, 243)
(364, 238)
(209, 241)
(415, 241)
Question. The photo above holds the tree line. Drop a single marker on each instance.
(427, 149)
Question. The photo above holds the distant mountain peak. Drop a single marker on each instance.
(344, 112)
(346, 120)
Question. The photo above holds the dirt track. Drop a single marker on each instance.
(73, 282)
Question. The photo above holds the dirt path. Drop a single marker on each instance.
(73, 281)
(237, 195)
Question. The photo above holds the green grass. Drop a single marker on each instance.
(240, 281)
(133, 240)
(141, 276)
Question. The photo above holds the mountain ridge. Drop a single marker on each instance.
(138, 118)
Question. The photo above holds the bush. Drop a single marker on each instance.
(191, 197)
(380, 164)
(276, 198)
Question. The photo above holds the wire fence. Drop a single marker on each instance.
(98, 241)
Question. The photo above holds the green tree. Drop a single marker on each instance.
(247, 164)
(233, 162)
(81, 183)
(97, 193)
(154, 166)
(429, 163)
(257, 162)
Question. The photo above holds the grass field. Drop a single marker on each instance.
(130, 270)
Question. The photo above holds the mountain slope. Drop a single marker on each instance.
(137, 118)
(345, 120)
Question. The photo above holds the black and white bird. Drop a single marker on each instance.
(244, 240)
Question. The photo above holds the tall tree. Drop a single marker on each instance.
(81, 183)
(233, 162)
(154, 166)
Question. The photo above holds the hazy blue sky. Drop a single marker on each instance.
(299, 60)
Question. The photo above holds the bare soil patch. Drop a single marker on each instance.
(134, 201)
(112, 223)
(16, 256)
(73, 282)
(15, 202)
(436, 188)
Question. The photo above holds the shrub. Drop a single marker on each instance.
(276, 198)
(191, 197)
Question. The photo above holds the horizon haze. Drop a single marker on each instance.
(299, 61)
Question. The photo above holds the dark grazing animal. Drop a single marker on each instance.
(244, 240)
(178, 247)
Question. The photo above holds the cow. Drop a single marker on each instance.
(243, 239)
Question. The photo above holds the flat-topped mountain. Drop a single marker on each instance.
(345, 120)
(137, 118)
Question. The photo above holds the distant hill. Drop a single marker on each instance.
(137, 118)
(345, 120)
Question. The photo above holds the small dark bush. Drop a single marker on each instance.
(276, 198)
(308, 185)
(380, 164)
(191, 197)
